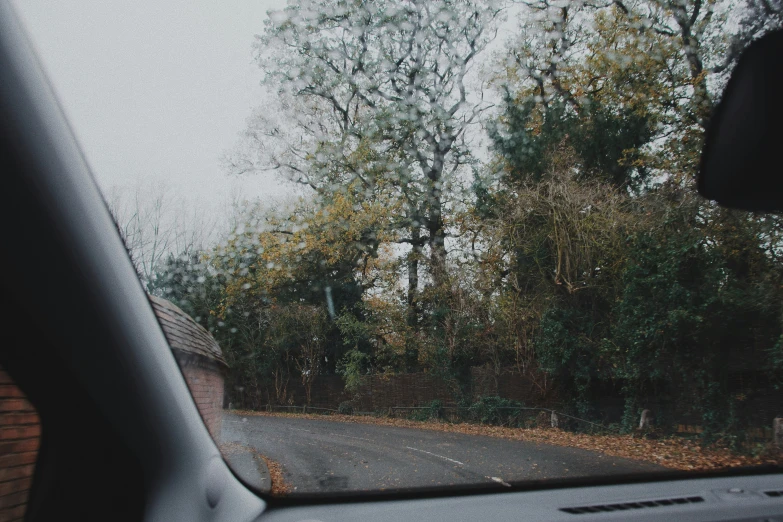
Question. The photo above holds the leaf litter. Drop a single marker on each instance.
(279, 485)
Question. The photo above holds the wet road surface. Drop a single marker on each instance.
(321, 456)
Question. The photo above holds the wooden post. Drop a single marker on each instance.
(646, 421)
(777, 431)
(554, 420)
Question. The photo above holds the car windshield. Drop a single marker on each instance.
(409, 244)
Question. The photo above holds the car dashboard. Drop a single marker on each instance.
(739, 498)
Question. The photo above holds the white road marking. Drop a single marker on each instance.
(351, 437)
(436, 455)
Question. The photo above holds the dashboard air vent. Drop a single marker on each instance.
(624, 506)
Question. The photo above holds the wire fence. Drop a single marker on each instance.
(512, 416)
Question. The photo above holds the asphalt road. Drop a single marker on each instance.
(321, 456)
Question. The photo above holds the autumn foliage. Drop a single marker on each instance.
(571, 247)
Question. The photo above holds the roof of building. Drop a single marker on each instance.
(183, 333)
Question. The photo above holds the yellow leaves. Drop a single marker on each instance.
(387, 319)
(347, 232)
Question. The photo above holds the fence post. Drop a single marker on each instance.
(777, 432)
(646, 421)
(554, 420)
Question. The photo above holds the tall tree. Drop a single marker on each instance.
(643, 74)
(376, 91)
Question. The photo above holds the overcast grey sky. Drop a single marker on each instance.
(155, 90)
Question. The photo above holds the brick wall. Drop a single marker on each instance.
(20, 431)
(199, 358)
(405, 389)
(529, 388)
(205, 382)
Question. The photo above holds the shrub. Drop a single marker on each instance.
(353, 368)
(345, 408)
(495, 410)
(434, 410)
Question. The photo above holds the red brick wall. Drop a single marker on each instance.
(377, 392)
(528, 388)
(199, 357)
(20, 431)
(404, 389)
(205, 382)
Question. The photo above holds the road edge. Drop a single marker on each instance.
(251, 469)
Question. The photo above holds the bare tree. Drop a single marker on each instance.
(155, 224)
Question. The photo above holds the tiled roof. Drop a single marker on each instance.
(183, 333)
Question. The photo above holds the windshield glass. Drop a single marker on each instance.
(404, 244)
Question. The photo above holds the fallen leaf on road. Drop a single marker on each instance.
(279, 485)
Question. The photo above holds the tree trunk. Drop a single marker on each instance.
(691, 46)
(411, 349)
(437, 246)
(435, 227)
(701, 97)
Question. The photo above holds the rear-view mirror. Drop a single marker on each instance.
(741, 161)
